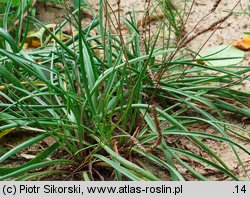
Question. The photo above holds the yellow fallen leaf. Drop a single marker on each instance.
(62, 37)
(34, 43)
(37, 39)
(243, 44)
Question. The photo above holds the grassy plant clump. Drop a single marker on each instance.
(111, 100)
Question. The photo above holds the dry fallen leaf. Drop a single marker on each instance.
(36, 39)
(222, 55)
(147, 20)
(27, 156)
(49, 140)
(243, 44)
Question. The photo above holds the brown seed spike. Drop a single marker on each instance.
(216, 4)
(158, 129)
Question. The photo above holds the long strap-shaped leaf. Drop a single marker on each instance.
(126, 163)
(8, 38)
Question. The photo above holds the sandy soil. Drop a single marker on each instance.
(231, 29)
